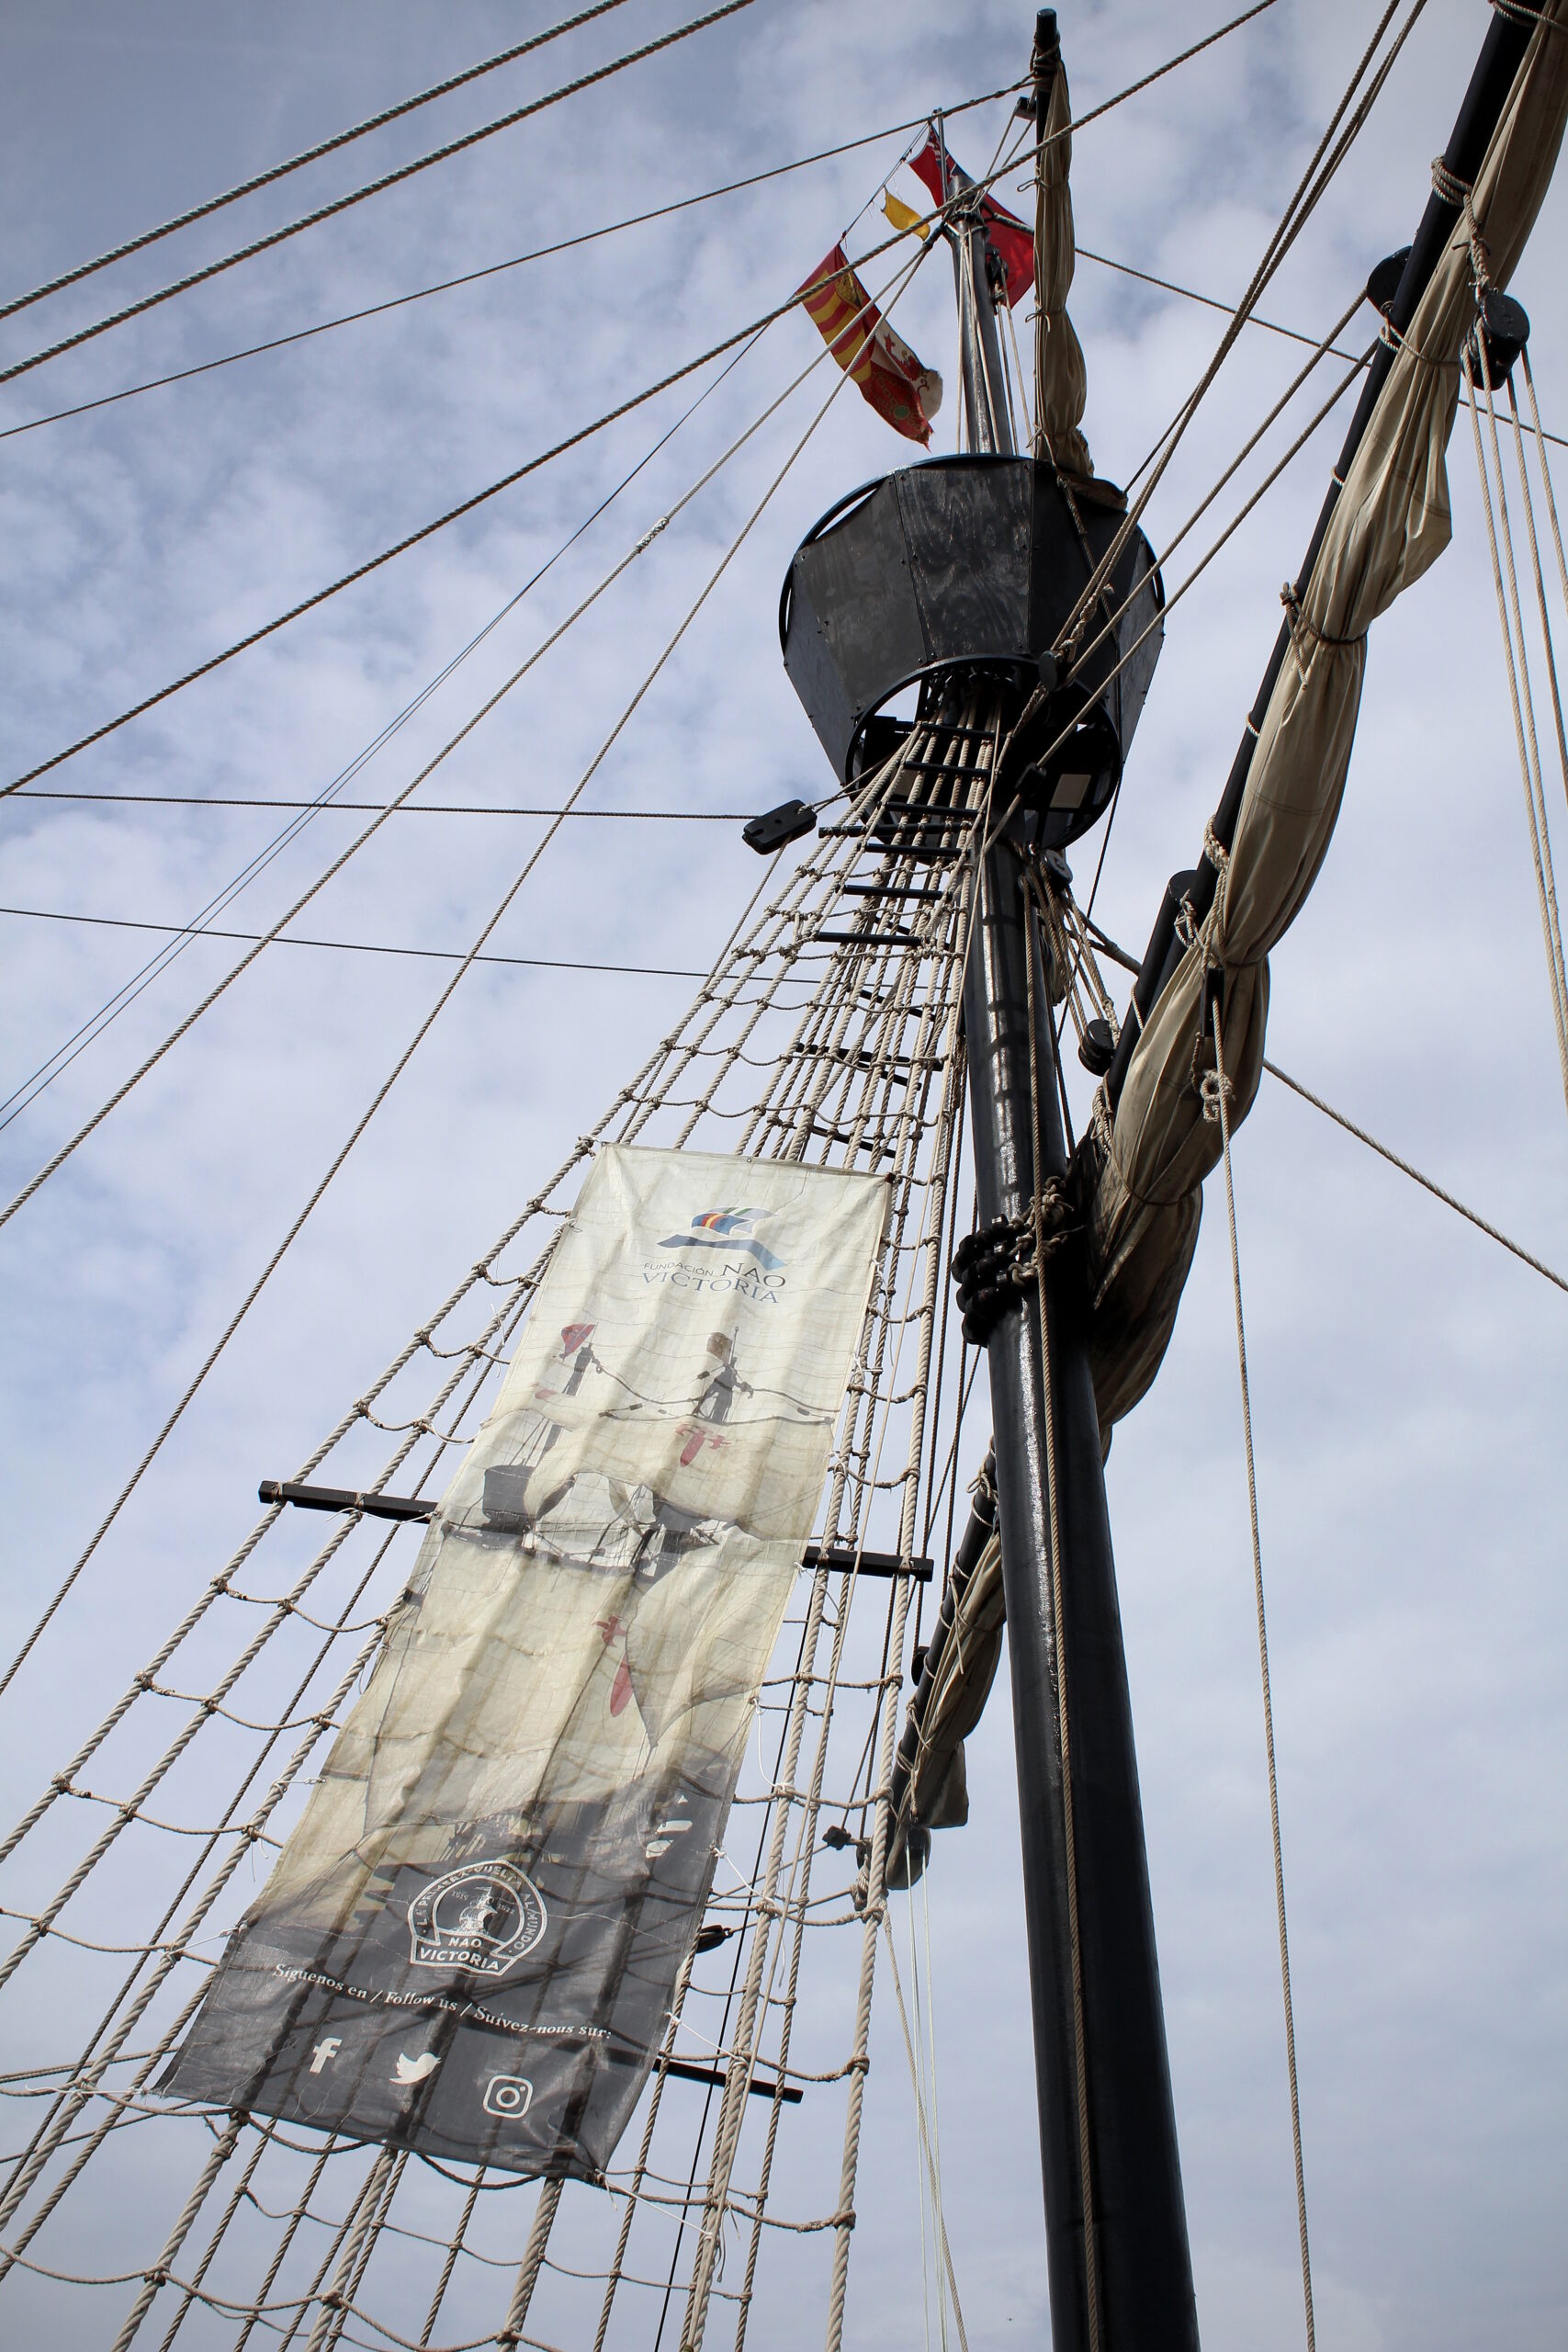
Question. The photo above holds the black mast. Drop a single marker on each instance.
(1120, 2271)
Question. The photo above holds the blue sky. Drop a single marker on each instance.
(1406, 1375)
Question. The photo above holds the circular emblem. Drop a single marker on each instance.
(484, 1918)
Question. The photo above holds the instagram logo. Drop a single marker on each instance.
(508, 2095)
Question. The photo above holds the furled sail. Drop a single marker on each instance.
(471, 1942)
(1390, 523)
(1060, 381)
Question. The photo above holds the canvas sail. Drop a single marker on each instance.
(470, 1944)
(1391, 523)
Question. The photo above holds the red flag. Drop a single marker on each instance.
(1014, 244)
(905, 395)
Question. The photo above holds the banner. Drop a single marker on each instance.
(470, 1944)
(905, 394)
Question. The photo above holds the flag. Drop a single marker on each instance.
(899, 388)
(903, 216)
(1014, 244)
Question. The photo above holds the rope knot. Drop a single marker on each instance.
(1212, 1089)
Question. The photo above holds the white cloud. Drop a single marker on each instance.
(1405, 1373)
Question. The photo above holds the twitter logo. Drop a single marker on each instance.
(414, 2070)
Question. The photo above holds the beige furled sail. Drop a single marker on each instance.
(1391, 523)
(1061, 381)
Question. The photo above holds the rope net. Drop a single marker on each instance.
(827, 1032)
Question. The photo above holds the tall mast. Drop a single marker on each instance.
(1120, 2270)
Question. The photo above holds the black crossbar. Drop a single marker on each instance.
(288, 1490)
(868, 1564)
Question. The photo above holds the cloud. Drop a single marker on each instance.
(1406, 1373)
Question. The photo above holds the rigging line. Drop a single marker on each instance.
(355, 948)
(392, 1077)
(372, 187)
(1123, 268)
(408, 809)
(1538, 573)
(929, 2167)
(1308, 194)
(466, 729)
(311, 155)
(427, 530)
(1166, 286)
(923, 2171)
(126, 995)
(1542, 439)
(979, 844)
(466, 506)
(494, 269)
(1326, 347)
(1406, 1169)
(1523, 706)
(936, 2133)
(1215, 1105)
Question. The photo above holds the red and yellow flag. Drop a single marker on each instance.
(905, 395)
(1014, 241)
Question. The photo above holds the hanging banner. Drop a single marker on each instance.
(470, 1944)
(904, 394)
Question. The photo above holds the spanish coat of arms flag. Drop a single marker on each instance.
(902, 391)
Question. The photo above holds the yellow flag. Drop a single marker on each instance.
(903, 216)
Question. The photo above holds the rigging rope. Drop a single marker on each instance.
(357, 948)
(1406, 1169)
(127, 994)
(1541, 439)
(375, 808)
(1308, 193)
(268, 937)
(348, 579)
(420, 1033)
(1520, 694)
(373, 187)
(1216, 1105)
(311, 155)
(494, 269)
(929, 2159)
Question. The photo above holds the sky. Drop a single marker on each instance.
(1409, 1454)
